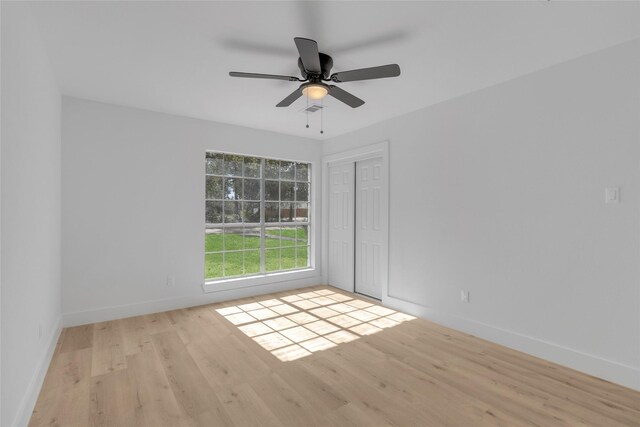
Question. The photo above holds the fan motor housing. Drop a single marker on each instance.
(326, 63)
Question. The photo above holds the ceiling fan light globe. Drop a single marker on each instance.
(315, 91)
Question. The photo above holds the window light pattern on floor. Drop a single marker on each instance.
(295, 326)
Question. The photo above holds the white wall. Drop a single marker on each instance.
(501, 193)
(30, 242)
(133, 207)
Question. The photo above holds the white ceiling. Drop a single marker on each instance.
(174, 57)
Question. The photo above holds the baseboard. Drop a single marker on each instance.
(609, 370)
(33, 390)
(103, 314)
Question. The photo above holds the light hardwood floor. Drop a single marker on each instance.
(316, 356)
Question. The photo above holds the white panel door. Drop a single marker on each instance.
(369, 238)
(341, 227)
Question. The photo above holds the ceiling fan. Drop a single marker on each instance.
(315, 69)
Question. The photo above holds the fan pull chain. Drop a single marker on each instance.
(321, 116)
(307, 112)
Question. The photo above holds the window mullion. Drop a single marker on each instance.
(224, 197)
(262, 216)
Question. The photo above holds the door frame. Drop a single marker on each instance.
(366, 152)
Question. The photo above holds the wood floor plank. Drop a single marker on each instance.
(437, 399)
(352, 414)
(484, 389)
(582, 383)
(558, 374)
(286, 404)
(77, 338)
(312, 388)
(583, 406)
(289, 359)
(137, 331)
(157, 322)
(246, 408)
(136, 337)
(249, 349)
(458, 369)
(64, 397)
(586, 407)
(226, 363)
(153, 392)
(385, 406)
(108, 348)
(199, 322)
(510, 391)
(114, 401)
(192, 392)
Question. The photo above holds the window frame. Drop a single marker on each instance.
(264, 276)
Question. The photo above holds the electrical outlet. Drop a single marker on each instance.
(612, 195)
(171, 280)
(464, 296)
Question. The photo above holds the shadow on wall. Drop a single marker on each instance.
(295, 326)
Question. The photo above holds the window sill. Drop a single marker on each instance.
(246, 282)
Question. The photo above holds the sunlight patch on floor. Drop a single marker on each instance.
(295, 326)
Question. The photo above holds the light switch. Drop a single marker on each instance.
(612, 195)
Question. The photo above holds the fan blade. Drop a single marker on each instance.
(289, 99)
(344, 96)
(308, 50)
(391, 70)
(263, 76)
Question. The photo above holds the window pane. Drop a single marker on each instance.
(286, 190)
(302, 235)
(271, 190)
(272, 259)
(271, 212)
(214, 163)
(302, 172)
(252, 167)
(242, 191)
(233, 239)
(302, 191)
(287, 236)
(232, 188)
(272, 169)
(287, 170)
(232, 165)
(213, 212)
(251, 211)
(213, 240)
(252, 238)
(252, 189)
(214, 187)
(287, 211)
(302, 212)
(272, 237)
(213, 266)
(252, 261)
(302, 257)
(288, 258)
(232, 264)
(232, 212)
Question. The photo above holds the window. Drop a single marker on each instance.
(256, 214)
